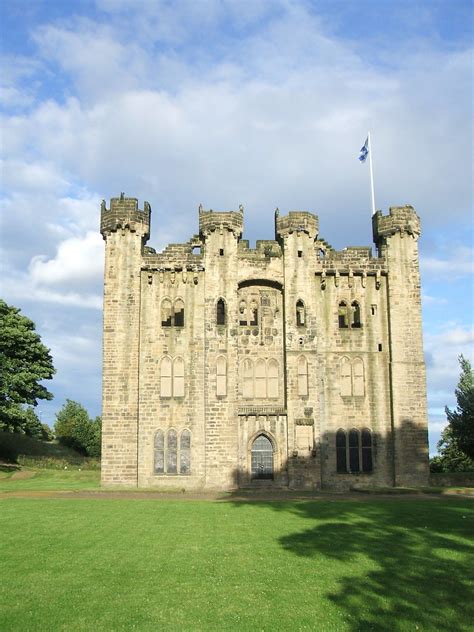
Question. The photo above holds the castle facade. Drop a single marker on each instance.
(288, 365)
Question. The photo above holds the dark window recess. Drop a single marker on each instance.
(243, 313)
(380, 346)
(221, 252)
(354, 465)
(220, 312)
(341, 457)
(172, 456)
(373, 309)
(343, 316)
(366, 450)
(179, 318)
(262, 458)
(185, 452)
(356, 315)
(300, 253)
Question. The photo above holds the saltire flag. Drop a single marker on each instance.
(364, 151)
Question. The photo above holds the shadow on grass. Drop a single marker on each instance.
(409, 563)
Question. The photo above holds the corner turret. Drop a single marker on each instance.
(296, 222)
(210, 221)
(125, 214)
(401, 219)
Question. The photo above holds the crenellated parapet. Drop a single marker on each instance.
(401, 219)
(211, 221)
(296, 222)
(125, 214)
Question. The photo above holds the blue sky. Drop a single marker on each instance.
(264, 103)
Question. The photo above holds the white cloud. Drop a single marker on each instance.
(459, 263)
(78, 260)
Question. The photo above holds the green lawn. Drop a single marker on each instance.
(119, 564)
(47, 480)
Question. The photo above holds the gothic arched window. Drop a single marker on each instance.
(220, 312)
(341, 455)
(356, 315)
(172, 453)
(262, 458)
(346, 377)
(247, 379)
(221, 376)
(260, 378)
(242, 313)
(343, 315)
(272, 382)
(300, 314)
(178, 309)
(166, 315)
(354, 462)
(366, 437)
(178, 377)
(253, 313)
(185, 452)
(358, 388)
(302, 369)
(159, 456)
(165, 377)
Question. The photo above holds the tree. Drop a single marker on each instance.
(451, 458)
(461, 420)
(24, 363)
(77, 430)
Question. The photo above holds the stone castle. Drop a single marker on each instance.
(288, 365)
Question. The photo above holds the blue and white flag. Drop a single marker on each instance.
(364, 151)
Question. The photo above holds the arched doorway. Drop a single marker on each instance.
(262, 458)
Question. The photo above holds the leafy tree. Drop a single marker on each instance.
(461, 420)
(77, 430)
(24, 363)
(451, 458)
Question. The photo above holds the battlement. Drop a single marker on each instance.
(296, 221)
(401, 219)
(210, 221)
(125, 214)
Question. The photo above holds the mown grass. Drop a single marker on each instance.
(49, 480)
(116, 564)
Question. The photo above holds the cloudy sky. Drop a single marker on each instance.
(259, 102)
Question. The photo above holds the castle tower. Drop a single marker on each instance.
(125, 229)
(396, 237)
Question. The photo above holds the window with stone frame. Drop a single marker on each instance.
(272, 379)
(166, 313)
(220, 312)
(346, 377)
(243, 313)
(172, 314)
(172, 454)
(302, 370)
(260, 378)
(358, 385)
(343, 315)
(354, 456)
(178, 313)
(356, 321)
(166, 372)
(178, 377)
(247, 379)
(300, 314)
(221, 376)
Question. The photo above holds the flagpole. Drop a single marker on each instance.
(369, 147)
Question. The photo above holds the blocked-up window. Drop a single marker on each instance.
(272, 379)
(247, 379)
(178, 377)
(341, 456)
(346, 377)
(165, 377)
(159, 456)
(302, 369)
(221, 376)
(185, 452)
(358, 377)
(300, 314)
(260, 378)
